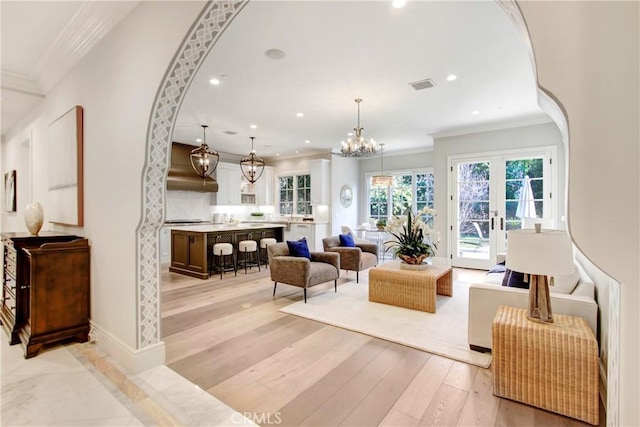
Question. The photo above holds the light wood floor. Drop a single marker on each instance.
(229, 338)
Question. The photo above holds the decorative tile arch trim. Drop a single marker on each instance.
(201, 37)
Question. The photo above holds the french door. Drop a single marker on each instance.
(492, 194)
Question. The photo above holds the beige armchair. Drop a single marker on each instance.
(363, 256)
(300, 271)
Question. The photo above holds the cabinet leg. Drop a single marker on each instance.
(32, 350)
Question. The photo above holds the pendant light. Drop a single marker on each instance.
(252, 166)
(382, 180)
(204, 160)
(358, 146)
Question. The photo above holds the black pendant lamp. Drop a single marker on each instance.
(252, 166)
(204, 160)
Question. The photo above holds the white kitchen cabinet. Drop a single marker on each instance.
(314, 233)
(228, 176)
(320, 181)
(264, 187)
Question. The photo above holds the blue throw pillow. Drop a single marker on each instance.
(299, 248)
(514, 279)
(347, 240)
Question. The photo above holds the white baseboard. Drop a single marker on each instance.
(134, 360)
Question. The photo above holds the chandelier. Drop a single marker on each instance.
(252, 166)
(358, 146)
(204, 160)
(382, 180)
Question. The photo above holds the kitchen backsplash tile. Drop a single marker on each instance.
(187, 205)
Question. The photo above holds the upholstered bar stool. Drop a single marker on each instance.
(222, 251)
(249, 249)
(264, 242)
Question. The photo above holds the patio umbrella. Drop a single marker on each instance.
(526, 205)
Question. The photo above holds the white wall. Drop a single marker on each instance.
(116, 84)
(588, 57)
(483, 142)
(344, 171)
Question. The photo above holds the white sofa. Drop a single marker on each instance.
(485, 298)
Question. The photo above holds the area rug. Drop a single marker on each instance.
(443, 333)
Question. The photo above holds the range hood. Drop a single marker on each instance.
(182, 176)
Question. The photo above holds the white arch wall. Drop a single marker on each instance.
(587, 56)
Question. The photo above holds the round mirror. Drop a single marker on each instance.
(346, 196)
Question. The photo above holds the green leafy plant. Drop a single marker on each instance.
(257, 213)
(414, 240)
(381, 223)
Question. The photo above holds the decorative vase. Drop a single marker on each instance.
(34, 217)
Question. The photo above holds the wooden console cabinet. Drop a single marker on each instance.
(45, 295)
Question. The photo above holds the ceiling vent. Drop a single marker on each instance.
(230, 132)
(422, 84)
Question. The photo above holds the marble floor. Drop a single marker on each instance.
(79, 385)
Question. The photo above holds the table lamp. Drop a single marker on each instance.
(539, 253)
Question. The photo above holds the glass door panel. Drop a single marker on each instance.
(473, 224)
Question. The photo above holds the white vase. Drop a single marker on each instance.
(34, 217)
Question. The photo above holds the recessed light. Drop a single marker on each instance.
(399, 3)
(214, 81)
(275, 54)
(475, 112)
(350, 134)
(296, 151)
(253, 126)
(198, 140)
(306, 141)
(451, 77)
(299, 114)
(277, 154)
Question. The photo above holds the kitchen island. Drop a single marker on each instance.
(191, 245)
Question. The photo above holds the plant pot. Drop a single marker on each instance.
(415, 267)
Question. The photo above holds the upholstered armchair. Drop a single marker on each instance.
(358, 258)
(301, 271)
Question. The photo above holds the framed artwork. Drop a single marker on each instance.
(66, 168)
(10, 204)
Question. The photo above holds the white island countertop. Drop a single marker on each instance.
(208, 228)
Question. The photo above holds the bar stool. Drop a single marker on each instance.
(249, 248)
(221, 251)
(264, 242)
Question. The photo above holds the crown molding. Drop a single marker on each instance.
(19, 83)
(87, 27)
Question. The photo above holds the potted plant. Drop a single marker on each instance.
(381, 224)
(414, 240)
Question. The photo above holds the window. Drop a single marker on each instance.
(413, 190)
(295, 195)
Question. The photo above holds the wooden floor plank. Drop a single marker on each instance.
(230, 333)
(512, 413)
(419, 394)
(375, 406)
(481, 407)
(461, 375)
(445, 408)
(341, 404)
(294, 412)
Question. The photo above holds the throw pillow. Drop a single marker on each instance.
(498, 268)
(299, 248)
(347, 240)
(514, 279)
(566, 283)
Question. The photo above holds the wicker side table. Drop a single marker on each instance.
(553, 366)
(389, 284)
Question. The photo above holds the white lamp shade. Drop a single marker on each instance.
(546, 253)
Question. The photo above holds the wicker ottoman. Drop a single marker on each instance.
(389, 284)
(553, 366)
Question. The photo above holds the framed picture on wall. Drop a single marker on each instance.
(10, 203)
(66, 168)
